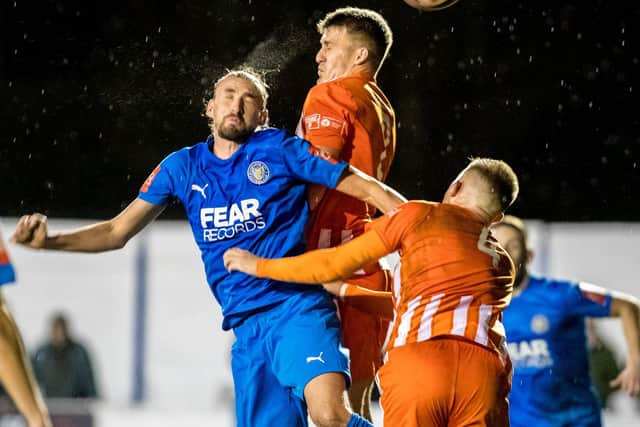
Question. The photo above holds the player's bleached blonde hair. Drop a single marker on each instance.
(364, 22)
(502, 179)
(250, 75)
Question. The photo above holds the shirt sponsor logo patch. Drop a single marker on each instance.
(258, 172)
(312, 121)
(327, 122)
(595, 297)
(226, 222)
(593, 293)
(530, 354)
(147, 183)
(317, 121)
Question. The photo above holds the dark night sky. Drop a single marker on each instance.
(95, 94)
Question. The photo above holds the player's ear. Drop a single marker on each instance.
(453, 189)
(264, 118)
(209, 110)
(529, 255)
(361, 55)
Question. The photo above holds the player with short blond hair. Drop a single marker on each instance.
(446, 362)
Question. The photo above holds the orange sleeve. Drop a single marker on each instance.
(393, 226)
(372, 302)
(325, 265)
(326, 114)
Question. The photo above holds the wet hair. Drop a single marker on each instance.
(364, 22)
(250, 75)
(501, 178)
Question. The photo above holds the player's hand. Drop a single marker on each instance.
(239, 260)
(31, 231)
(333, 287)
(629, 379)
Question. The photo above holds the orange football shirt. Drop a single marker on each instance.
(455, 279)
(352, 115)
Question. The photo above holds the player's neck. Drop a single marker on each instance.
(362, 70)
(479, 212)
(224, 148)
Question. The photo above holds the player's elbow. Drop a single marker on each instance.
(118, 243)
(624, 305)
(328, 415)
(116, 239)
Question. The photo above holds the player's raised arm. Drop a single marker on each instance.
(312, 267)
(32, 230)
(357, 184)
(627, 309)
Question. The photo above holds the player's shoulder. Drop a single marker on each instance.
(270, 134)
(186, 155)
(271, 138)
(355, 81)
(415, 209)
(344, 90)
(421, 205)
(551, 286)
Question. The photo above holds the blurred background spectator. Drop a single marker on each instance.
(62, 365)
(602, 361)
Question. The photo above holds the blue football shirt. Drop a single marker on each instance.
(547, 344)
(255, 200)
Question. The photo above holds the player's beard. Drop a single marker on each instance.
(234, 132)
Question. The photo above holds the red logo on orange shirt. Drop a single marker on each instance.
(316, 121)
(322, 154)
(312, 121)
(600, 299)
(147, 183)
(326, 121)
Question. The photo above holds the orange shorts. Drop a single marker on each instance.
(444, 381)
(363, 333)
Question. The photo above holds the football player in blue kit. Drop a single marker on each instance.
(245, 186)
(545, 328)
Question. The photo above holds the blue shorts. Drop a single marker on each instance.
(277, 352)
(578, 415)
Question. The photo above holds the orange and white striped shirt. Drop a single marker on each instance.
(454, 277)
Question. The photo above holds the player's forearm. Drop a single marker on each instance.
(98, 237)
(107, 235)
(627, 309)
(325, 265)
(361, 186)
